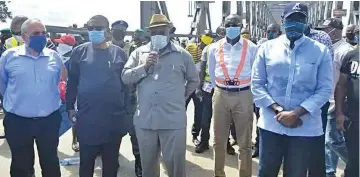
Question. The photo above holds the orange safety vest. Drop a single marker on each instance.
(235, 81)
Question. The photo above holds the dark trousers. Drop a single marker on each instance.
(109, 153)
(317, 161)
(257, 139)
(352, 143)
(20, 134)
(206, 117)
(294, 150)
(134, 142)
(197, 116)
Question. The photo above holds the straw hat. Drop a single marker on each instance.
(159, 20)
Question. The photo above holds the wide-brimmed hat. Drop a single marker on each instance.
(159, 20)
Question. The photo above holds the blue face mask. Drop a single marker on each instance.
(232, 32)
(96, 37)
(37, 43)
(294, 30)
(159, 41)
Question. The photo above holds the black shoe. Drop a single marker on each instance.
(202, 147)
(255, 153)
(138, 169)
(195, 141)
(230, 150)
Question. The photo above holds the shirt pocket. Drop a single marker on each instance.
(51, 73)
(306, 71)
(173, 73)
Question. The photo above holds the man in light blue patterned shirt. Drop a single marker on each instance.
(29, 78)
(291, 80)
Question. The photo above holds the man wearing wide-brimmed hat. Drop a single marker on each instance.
(165, 75)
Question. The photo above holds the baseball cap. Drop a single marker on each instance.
(331, 22)
(291, 8)
(67, 39)
(121, 23)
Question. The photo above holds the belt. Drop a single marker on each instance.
(234, 89)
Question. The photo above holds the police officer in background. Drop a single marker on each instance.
(118, 31)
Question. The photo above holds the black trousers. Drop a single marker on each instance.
(317, 158)
(198, 114)
(352, 143)
(20, 134)
(134, 142)
(257, 139)
(206, 117)
(109, 153)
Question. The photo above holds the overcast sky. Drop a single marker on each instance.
(66, 12)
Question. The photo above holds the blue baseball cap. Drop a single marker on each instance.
(121, 23)
(291, 8)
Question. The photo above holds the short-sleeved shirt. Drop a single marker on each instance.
(195, 51)
(350, 67)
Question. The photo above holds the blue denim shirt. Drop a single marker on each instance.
(292, 78)
(29, 84)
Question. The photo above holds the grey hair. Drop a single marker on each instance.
(27, 23)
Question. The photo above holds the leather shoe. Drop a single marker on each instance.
(230, 150)
(202, 147)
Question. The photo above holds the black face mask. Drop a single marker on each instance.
(350, 36)
(118, 35)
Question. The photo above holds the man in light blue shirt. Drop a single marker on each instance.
(291, 80)
(29, 78)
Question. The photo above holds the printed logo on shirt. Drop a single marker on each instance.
(354, 69)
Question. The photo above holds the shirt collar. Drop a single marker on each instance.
(240, 42)
(25, 51)
(287, 41)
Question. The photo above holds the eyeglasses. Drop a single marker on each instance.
(38, 33)
(95, 28)
(16, 33)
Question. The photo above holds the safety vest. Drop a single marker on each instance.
(12, 42)
(207, 76)
(234, 81)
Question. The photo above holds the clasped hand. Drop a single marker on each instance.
(289, 119)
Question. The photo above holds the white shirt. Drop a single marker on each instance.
(341, 48)
(232, 57)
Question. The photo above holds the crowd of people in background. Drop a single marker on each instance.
(302, 86)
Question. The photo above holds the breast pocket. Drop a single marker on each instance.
(174, 73)
(306, 71)
(51, 72)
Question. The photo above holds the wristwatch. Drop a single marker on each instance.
(278, 109)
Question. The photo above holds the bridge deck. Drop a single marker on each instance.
(198, 165)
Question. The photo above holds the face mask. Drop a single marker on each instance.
(246, 36)
(232, 32)
(118, 34)
(18, 38)
(37, 43)
(270, 36)
(294, 30)
(63, 49)
(350, 36)
(96, 37)
(159, 41)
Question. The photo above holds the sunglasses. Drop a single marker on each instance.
(16, 33)
(95, 28)
(38, 33)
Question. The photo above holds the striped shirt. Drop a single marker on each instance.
(195, 51)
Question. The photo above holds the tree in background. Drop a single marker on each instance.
(4, 11)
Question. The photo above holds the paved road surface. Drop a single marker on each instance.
(198, 165)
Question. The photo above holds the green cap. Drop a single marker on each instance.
(139, 31)
(5, 30)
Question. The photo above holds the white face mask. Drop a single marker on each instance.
(63, 49)
(159, 41)
(18, 38)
